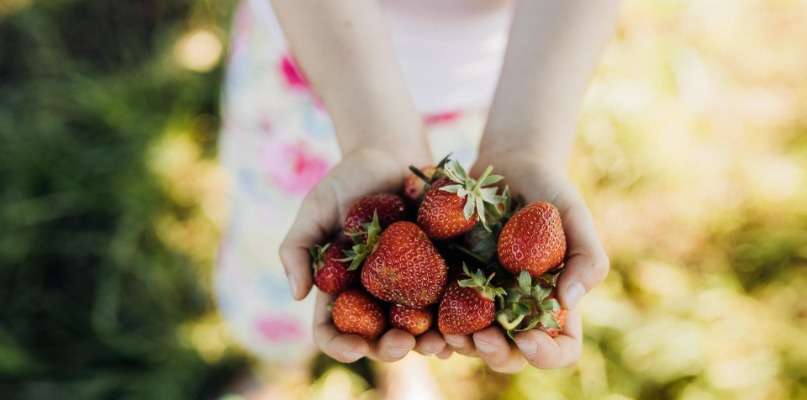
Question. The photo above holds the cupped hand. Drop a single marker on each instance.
(586, 266)
(359, 173)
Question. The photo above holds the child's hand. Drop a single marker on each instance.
(586, 266)
(359, 173)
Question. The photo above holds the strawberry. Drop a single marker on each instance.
(390, 208)
(412, 320)
(332, 274)
(404, 267)
(414, 185)
(453, 204)
(529, 305)
(441, 213)
(356, 312)
(532, 240)
(468, 304)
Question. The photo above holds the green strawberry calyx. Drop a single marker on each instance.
(317, 254)
(480, 198)
(527, 304)
(481, 283)
(361, 249)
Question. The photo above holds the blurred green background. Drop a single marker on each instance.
(692, 154)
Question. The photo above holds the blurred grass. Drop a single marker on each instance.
(692, 154)
(93, 303)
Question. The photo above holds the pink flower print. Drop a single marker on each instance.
(278, 328)
(295, 79)
(440, 118)
(291, 167)
(294, 76)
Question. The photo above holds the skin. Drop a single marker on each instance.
(553, 48)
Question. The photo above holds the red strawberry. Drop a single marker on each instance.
(412, 320)
(404, 268)
(452, 205)
(331, 273)
(356, 312)
(441, 213)
(468, 305)
(390, 208)
(415, 184)
(532, 240)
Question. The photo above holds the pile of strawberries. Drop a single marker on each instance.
(454, 245)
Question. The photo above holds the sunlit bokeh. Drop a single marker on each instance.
(199, 50)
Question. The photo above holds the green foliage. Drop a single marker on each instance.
(91, 301)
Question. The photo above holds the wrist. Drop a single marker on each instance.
(542, 157)
(403, 141)
(401, 155)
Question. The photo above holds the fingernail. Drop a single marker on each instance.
(396, 352)
(574, 294)
(352, 355)
(454, 341)
(293, 284)
(485, 347)
(528, 347)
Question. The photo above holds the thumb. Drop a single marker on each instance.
(586, 263)
(317, 215)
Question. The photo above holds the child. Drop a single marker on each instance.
(388, 83)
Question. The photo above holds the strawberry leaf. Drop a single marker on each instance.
(489, 195)
(480, 206)
(359, 252)
(468, 210)
(551, 278)
(514, 296)
(548, 321)
(508, 321)
(317, 254)
(481, 244)
(550, 305)
(451, 188)
(539, 293)
(490, 180)
(534, 321)
(520, 309)
(524, 281)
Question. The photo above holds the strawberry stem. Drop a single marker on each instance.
(415, 170)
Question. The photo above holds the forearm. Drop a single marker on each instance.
(347, 55)
(553, 49)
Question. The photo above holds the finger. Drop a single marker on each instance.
(343, 348)
(393, 346)
(461, 344)
(446, 353)
(430, 343)
(317, 215)
(586, 262)
(493, 348)
(542, 351)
